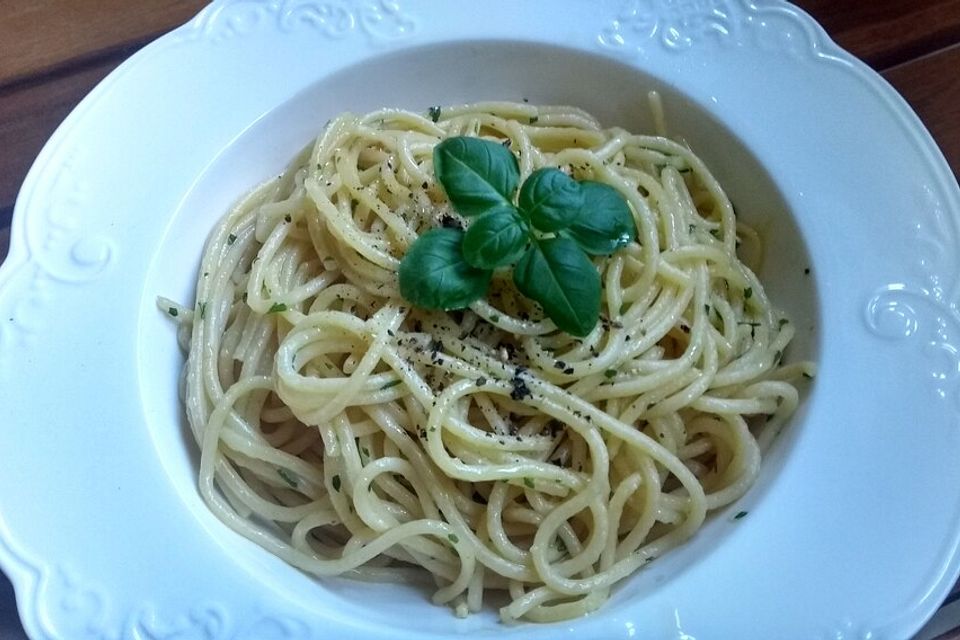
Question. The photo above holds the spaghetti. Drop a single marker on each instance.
(352, 434)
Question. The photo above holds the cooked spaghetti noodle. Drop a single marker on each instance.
(352, 434)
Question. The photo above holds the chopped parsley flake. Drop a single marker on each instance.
(740, 515)
(277, 307)
(288, 477)
(335, 481)
(173, 311)
(392, 383)
(452, 537)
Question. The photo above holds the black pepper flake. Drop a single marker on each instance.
(560, 364)
(740, 515)
(806, 271)
(434, 113)
(481, 381)
(231, 238)
(287, 218)
(568, 371)
(519, 389)
(449, 222)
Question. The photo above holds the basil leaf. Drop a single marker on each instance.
(559, 275)
(551, 199)
(476, 174)
(604, 223)
(434, 275)
(495, 239)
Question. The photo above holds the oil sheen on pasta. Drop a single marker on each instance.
(479, 450)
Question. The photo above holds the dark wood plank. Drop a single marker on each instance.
(40, 36)
(932, 87)
(884, 33)
(953, 634)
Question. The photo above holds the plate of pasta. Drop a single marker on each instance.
(623, 320)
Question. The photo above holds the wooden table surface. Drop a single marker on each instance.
(52, 52)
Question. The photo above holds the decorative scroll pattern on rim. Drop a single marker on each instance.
(926, 307)
(381, 20)
(678, 25)
(60, 253)
(78, 611)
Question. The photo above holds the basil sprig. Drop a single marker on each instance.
(549, 233)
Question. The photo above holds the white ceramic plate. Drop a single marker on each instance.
(852, 530)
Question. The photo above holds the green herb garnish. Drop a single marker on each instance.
(452, 537)
(549, 234)
(390, 384)
(739, 515)
(288, 477)
(335, 481)
(528, 482)
(277, 307)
